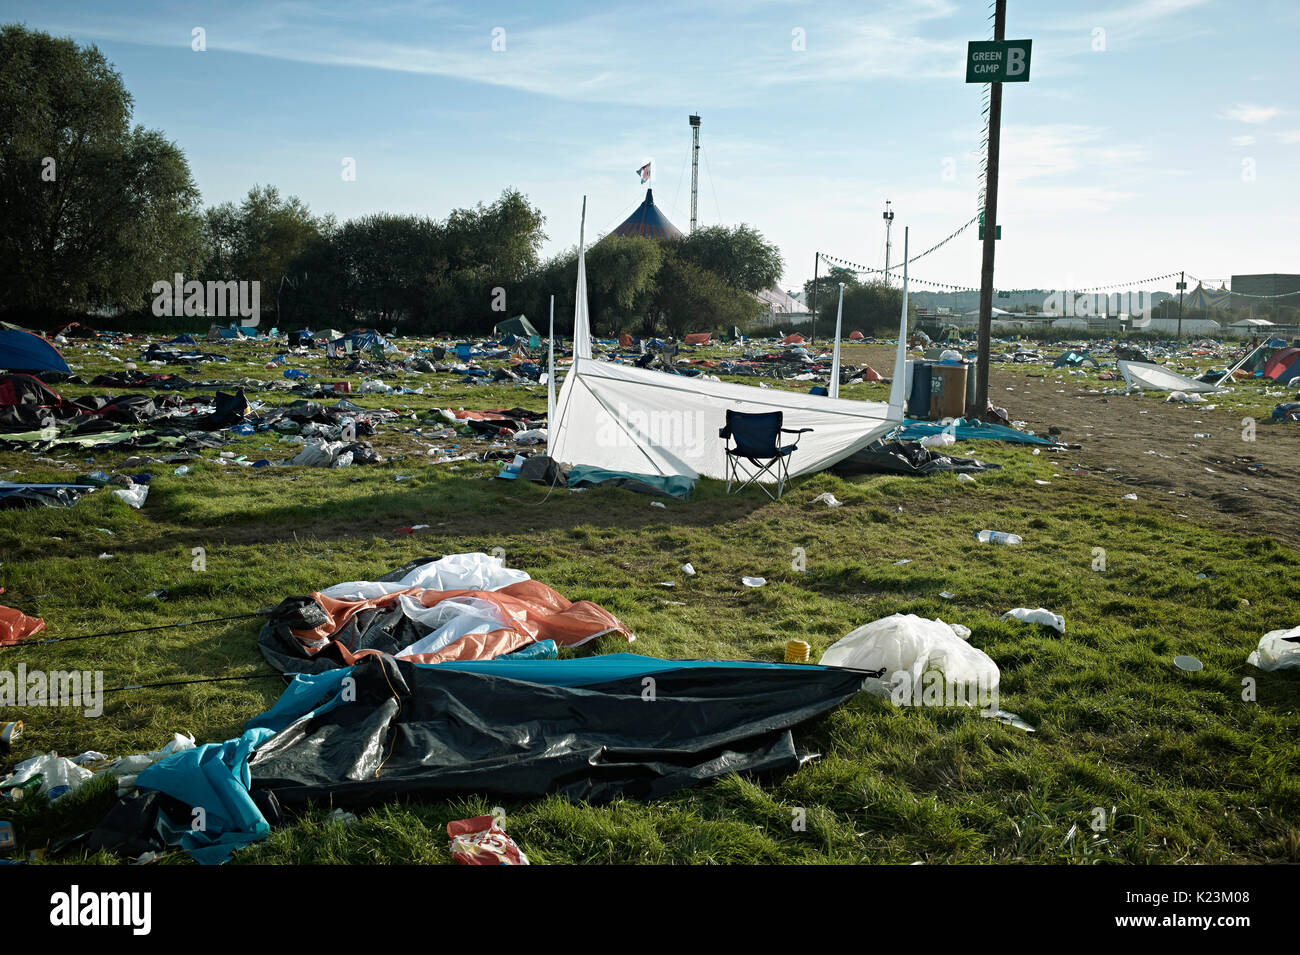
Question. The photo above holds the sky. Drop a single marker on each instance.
(1153, 135)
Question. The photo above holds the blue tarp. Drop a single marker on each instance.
(671, 485)
(966, 430)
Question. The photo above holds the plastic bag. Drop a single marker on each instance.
(1041, 615)
(1277, 650)
(480, 841)
(926, 662)
(133, 495)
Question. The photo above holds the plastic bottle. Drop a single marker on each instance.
(998, 537)
(182, 471)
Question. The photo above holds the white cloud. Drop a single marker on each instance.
(1290, 136)
(1243, 140)
(1250, 113)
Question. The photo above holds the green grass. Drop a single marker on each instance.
(1194, 773)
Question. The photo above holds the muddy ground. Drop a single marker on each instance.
(1147, 446)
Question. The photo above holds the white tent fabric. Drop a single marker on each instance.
(834, 390)
(640, 421)
(581, 320)
(1141, 376)
(550, 380)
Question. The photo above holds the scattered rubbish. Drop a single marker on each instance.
(753, 581)
(1040, 616)
(905, 560)
(965, 478)
(160, 594)
(1277, 650)
(480, 841)
(10, 733)
(105, 556)
(1190, 664)
(947, 594)
(133, 495)
(659, 504)
(688, 570)
(342, 816)
(50, 774)
(941, 440)
(797, 651)
(182, 470)
(1011, 719)
(925, 662)
(666, 583)
(1129, 497)
(6, 835)
(1200, 434)
(828, 499)
(999, 537)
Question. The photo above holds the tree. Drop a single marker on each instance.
(871, 307)
(258, 240)
(689, 298)
(740, 256)
(92, 211)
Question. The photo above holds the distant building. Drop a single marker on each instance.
(1274, 283)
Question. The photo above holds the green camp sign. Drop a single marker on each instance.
(997, 61)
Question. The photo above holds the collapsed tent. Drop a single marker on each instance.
(639, 421)
(519, 326)
(698, 338)
(580, 728)
(13, 496)
(895, 457)
(1143, 376)
(1283, 365)
(24, 351)
(966, 429)
(459, 607)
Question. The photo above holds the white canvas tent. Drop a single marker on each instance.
(1141, 376)
(639, 421)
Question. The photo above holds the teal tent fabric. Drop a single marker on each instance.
(671, 485)
(214, 778)
(966, 430)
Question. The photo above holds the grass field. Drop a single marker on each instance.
(1193, 772)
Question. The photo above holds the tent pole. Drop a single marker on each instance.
(896, 396)
(550, 382)
(834, 391)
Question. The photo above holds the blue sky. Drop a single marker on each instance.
(1154, 135)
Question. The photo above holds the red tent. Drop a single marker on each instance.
(792, 339)
(698, 338)
(856, 336)
(1280, 362)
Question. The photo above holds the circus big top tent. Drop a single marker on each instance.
(648, 221)
(640, 421)
(1201, 297)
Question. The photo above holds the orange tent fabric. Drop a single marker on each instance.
(870, 374)
(625, 340)
(792, 340)
(856, 336)
(534, 611)
(15, 625)
(698, 338)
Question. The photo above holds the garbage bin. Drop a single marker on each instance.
(918, 401)
(947, 391)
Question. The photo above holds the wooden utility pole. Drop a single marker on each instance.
(990, 225)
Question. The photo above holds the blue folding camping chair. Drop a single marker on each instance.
(756, 451)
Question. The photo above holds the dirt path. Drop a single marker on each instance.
(1149, 447)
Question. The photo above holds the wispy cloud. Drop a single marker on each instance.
(1250, 113)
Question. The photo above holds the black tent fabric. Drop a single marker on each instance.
(899, 457)
(443, 729)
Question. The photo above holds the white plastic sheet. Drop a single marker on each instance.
(454, 572)
(926, 662)
(1276, 652)
(1042, 616)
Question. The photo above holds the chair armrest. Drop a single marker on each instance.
(794, 431)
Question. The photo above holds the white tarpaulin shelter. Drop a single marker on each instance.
(639, 421)
(1141, 376)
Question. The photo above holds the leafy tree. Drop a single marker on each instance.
(740, 256)
(92, 211)
(689, 298)
(870, 308)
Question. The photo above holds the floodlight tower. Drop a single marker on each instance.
(695, 167)
(889, 222)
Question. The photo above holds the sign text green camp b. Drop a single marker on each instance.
(997, 61)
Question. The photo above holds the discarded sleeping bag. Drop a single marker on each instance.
(459, 607)
(580, 728)
(896, 457)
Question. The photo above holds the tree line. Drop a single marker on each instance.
(95, 211)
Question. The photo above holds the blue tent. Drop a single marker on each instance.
(23, 351)
(648, 221)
